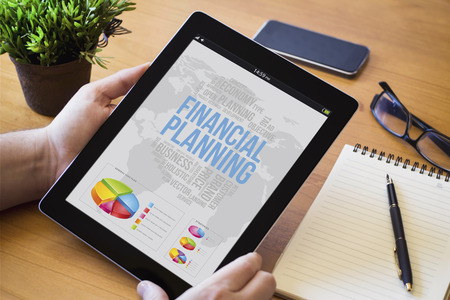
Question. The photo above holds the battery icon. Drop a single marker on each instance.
(326, 111)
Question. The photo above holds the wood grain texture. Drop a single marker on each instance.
(410, 49)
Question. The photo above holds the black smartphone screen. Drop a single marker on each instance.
(312, 47)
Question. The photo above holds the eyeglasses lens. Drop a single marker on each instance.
(391, 114)
(436, 147)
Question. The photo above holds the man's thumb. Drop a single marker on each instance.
(150, 291)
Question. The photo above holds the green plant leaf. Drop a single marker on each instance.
(40, 32)
(89, 59)
(65, 7)
(67, 23)
(100, 62)
(19, 14)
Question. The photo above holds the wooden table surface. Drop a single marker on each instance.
(410, 49)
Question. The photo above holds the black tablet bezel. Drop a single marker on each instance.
(54, 203)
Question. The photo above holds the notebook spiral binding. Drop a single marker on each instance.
(399, 160)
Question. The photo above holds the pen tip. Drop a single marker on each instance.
(408, 287)
(388, 179)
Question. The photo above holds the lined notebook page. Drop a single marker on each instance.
(343, 248)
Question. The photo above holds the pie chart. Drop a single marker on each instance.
(177, 256)
(196, 231)
(187, 243)
(115, 198)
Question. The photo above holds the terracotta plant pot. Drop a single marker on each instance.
(48, 89)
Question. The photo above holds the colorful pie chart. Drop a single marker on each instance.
(177, 256)
(115, 198)
(196, 231)
(187, 243)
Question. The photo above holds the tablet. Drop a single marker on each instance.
(200, 158)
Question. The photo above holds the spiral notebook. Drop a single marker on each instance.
(343, 249)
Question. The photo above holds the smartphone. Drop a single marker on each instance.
(312, 47)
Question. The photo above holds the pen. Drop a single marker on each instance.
(400, 249)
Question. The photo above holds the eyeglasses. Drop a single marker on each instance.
(395, 118)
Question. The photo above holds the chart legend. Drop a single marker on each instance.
(142, 216)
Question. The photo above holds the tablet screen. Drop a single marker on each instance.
(199, 158)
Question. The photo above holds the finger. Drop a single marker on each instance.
(238, 273)
(150, 291)
(118, 84)
(261, 286)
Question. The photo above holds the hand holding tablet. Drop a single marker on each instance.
(90, 107)
(241, 279)
(56, 145)
(200, 158)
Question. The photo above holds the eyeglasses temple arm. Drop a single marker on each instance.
(387, 88)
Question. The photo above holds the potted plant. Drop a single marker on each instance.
(53, 45)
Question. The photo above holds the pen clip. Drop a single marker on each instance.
(399, 271)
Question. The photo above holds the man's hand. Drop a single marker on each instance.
(241, 279)
(31, 161)
(89, 108)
